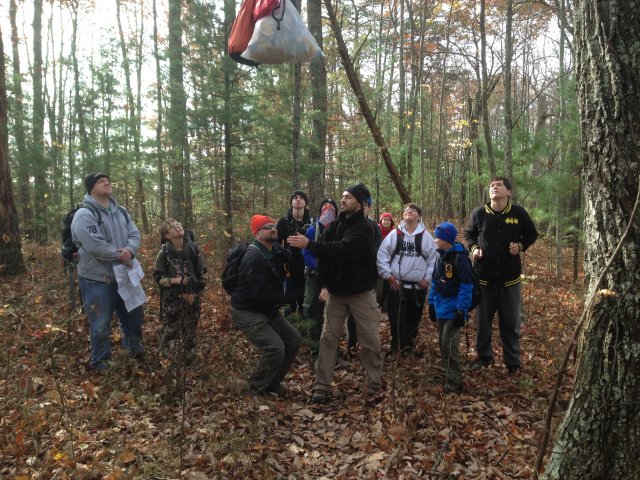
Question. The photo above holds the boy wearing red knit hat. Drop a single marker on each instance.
(255, 307)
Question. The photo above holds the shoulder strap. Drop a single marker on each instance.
(94, 210)
(398, 246)
(418, 243)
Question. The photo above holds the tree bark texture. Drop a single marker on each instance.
(10, 248)
(177, 121)
(159, 124)
(600, 434)
(318, 73)
(24, 197)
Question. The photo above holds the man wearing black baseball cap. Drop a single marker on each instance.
(106, 236)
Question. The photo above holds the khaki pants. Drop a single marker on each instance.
(366, 315)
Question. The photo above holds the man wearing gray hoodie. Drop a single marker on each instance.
(106, 236)
(405, 260)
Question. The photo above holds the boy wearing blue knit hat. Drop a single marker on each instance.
(450, 300)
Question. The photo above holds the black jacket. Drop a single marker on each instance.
(259, 286)
(286, 227)
(347, 255)
(493, 232)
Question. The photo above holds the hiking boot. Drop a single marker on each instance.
(452, 388)
(319, 396)
(277, 389)
(374, 389)
(513, 369)
(480, 363)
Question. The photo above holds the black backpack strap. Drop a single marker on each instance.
(92, 209)
(124, 212)
(396, 251)
(418, 243)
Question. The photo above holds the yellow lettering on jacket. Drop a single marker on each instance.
(513, 221)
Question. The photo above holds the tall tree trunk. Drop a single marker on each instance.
(318, 72)
(88, 160)
(10, 247)
(159, 149)
(134, 109)
(442, 169)
(402, 91)
(417, 74)
(138, 120)
(177, 113)
(51, 102)
(486, 126)
(227, 70)
(39, 170)
(508, 122)
(297, 117)
(600, 433)
(22, 160)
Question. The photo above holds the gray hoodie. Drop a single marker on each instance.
(98, 244)
(408, 266)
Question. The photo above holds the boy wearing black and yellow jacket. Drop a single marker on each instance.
(496, 234)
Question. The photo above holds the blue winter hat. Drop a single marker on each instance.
(446, 231)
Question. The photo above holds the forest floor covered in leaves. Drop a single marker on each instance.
(60, 420)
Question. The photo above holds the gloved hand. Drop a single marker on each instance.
(432, 313)
(459, 319)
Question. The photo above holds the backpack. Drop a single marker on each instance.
(231, 271)
(475, 295)
(69, 250)
(418, 244)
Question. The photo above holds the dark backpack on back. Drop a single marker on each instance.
(418, 244)
(231, 271)
(69, 250)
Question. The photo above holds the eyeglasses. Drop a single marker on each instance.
(407, 210)
(268, 227)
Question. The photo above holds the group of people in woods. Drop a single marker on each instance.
(340, 267)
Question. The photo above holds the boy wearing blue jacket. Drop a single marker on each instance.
(449, 300)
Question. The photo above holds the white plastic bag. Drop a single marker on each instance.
(292, 43)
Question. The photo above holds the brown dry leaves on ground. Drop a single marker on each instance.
(60, 420)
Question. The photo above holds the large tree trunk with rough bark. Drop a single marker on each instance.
(600, 434)
(10, 252)
(318, 141)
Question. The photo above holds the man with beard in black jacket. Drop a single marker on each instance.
(347, 273)
(255, 308)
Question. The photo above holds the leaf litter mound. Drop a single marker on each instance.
(151, 419)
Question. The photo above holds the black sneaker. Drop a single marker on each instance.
(513, 369)
(480, 363)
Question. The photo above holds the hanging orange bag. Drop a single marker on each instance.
(241, 32)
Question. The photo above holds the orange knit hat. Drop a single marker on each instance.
(259, 221)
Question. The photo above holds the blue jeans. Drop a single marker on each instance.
(101, 300)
